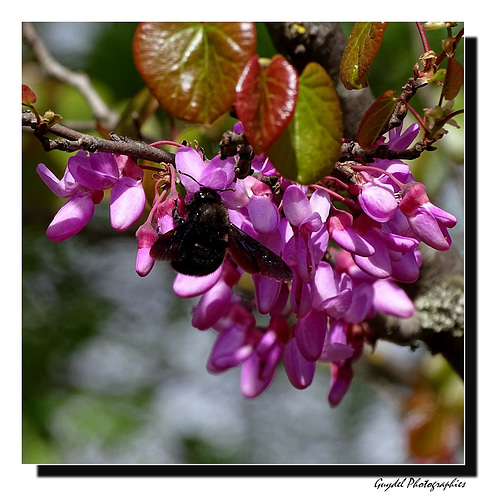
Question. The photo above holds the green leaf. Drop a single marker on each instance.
(361, 48)
(439, 76)
(308, 149)
(265, 100)
(374, 120)
(193, 68)
(453, 80)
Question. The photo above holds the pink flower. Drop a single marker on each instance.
(73, 216)
(145, 237)
(84, 182)
(429, 222)
(259, 369)
(377, 200)
(342, 375)
(236, 339)
(300, 370)
(307, 217)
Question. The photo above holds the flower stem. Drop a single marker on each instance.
(166, 143)
(382, 171)
(343, 185)
(335, 195)
(423, 36)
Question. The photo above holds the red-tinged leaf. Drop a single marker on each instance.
(375, 118)
(265, 100)
(29, 96)
(193, 68)
(309, 147)
(453, 80)
(361, 48)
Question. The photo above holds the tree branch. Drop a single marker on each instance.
(80, 81)
(353, 151)
(73, 140)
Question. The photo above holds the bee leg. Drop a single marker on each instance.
(175, 214)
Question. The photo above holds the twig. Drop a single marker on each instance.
(72, 140)
(353, 151)
(407, 92)
(80, 81)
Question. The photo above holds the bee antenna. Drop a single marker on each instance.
(191, 177)
(200, 184)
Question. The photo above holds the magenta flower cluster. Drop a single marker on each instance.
(336, 287)
(86, 178)
(346, 258)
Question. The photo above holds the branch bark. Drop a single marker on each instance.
(72, 140)
(80, 81)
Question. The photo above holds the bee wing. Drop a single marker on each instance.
(168, 245)
(253, 257)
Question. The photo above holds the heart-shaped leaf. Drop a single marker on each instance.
(193, 68)
(374, 120)
(29, 96)
(265, 100)
(361, 48)
(310, 145)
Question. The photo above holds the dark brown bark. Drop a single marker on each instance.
(72, 140)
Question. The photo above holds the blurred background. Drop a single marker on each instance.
(113, 371)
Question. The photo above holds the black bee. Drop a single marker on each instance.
(198, 244)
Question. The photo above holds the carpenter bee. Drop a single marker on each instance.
(198, 244)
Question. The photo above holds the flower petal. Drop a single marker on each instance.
(378, 201)
(362, 303)
(427, 227)
(212, 306)
(340, 229)
(296, 205)
(300, 371)
(257, 373)
(266, 292)
(127, 201)
(63, 188)
(263, 214)
(229, 350)
(389, 298)
(188, 161)
(310, 332)
(379, 264)
(99, 171)
(72, 217)
(143, 262)
(406, 269)
(191, 286)
(341, 380)
(320, 203)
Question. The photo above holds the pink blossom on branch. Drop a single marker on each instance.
(86, 178)
(346, 259)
